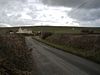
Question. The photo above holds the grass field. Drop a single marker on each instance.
(54, 29)
(71, 39)
(62, 29)
(86, 46)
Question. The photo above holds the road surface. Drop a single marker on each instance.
(51, 61)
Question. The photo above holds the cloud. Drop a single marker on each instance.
(85, 14)
(74, 3)
(68, 3)
(61, 12)
(95, 23)
(31, 11)
(89, 17)
(11, 10)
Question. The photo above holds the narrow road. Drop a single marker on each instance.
(51, 61)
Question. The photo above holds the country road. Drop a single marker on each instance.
(51, 61)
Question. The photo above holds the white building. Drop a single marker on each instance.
(20, 30)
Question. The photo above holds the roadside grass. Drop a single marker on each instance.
(95, 57)
(15, 57)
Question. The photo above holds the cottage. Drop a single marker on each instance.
(20, 30)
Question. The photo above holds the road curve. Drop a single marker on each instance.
(51, 61)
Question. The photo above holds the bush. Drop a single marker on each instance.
(16, 54)
(44, 35)
(86, 31)
(84, 45)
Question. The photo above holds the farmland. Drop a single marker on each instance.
(16, 55)
(54, 29)
(74, 41)
(70, 39)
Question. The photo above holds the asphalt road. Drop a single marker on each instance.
(51, 61)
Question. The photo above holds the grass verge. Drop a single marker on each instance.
(71, 50)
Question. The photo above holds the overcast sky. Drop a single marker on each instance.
(50, 12)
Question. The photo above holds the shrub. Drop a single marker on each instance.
(16, 54)
(86, 31)
(44, 35)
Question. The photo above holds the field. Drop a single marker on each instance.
(61, 29)
(87, 46)
(70, 39)
(54, 29)
(75, 41)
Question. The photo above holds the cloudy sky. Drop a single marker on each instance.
(50, 12)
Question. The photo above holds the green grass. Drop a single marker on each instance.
(54, 29)
(62, 47)
(63, 29)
